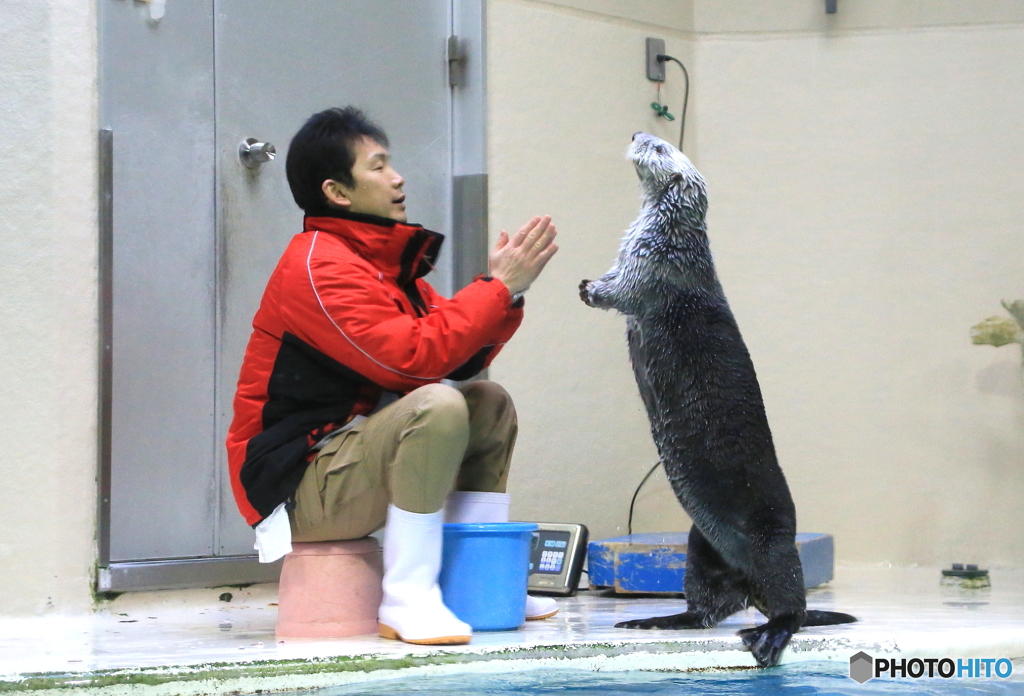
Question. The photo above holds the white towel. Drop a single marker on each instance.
(274, 535)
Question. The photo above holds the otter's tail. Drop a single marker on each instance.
(827, 618)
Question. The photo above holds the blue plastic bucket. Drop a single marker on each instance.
(484, 569)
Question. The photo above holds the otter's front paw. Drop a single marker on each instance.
(585, 292)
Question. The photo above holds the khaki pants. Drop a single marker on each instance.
(412, 453)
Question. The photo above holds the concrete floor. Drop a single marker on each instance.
(191, 642)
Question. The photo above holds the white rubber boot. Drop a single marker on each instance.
(412, 610)
(482, 507)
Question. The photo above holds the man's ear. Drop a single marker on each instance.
(335, 193)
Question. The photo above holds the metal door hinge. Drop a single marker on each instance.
(456, 61)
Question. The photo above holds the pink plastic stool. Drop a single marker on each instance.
(330, 589)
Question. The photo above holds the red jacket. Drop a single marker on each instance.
(346, 315)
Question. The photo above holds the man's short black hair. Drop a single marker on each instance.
(324, 148)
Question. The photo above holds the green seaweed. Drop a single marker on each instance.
(999, 331)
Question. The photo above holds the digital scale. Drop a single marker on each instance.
(652, 563)
(557, 553)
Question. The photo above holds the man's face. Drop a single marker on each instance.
(378, 189)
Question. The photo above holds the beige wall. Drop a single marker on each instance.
(865, 211)
(48, 308)
(566, 90)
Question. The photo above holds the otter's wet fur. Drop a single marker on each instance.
(706, 412)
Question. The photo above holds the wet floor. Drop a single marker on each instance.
(151, 637)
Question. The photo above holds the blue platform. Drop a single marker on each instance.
(656, 562)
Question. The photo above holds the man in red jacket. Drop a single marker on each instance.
(341, 422)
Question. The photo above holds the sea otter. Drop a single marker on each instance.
(706, 412)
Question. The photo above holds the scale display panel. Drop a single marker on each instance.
(556, 558)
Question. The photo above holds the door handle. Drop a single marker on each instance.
(252, 153)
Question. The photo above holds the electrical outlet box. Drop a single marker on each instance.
(655, 67)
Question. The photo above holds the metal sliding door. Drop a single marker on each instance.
(193, 235)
